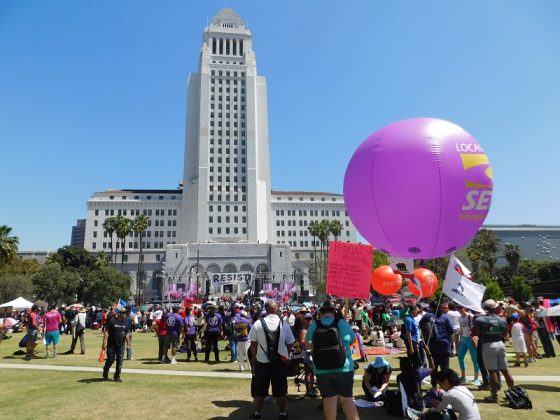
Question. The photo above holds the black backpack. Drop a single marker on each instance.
(328, 349)
(517, 397)
(272, 341)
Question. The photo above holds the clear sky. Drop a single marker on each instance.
(93, 94)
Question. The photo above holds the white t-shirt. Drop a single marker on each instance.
(417, 319)
(158, 314)
(461, 401)
(257, 334)
(466, 323)
(454, 317)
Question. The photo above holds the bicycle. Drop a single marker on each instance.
(303, 369)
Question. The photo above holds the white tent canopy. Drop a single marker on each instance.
(552, 311)
(19, 303)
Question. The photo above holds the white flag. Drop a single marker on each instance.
(460, 288)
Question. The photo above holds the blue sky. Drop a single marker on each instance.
(93, 94)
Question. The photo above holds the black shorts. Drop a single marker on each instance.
(267, 374)
(336, 383)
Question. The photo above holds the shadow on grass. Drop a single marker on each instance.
(545, 388)
(91, 380)
(152, 363)
(553, 412)
(242, 409)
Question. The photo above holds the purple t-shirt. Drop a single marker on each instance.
(213, 323)
(189, 325)
(174, 324)
(241, 329)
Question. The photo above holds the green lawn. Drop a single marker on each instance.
(29, 394)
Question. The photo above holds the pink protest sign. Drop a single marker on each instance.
(349, 270)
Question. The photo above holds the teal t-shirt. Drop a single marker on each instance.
(347, 336)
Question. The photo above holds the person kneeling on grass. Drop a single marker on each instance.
(455, 395)
(376, 379)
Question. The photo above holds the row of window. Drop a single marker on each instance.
(226, 46)
(241, 169)
(227, 178)
(227, 189)
(228, 151)
(227, 144)
(301, 223)
(146, 234)
(148, 197)
(228, 160)
(305, 233)
(226, 73)
(227, 208)
(227, 219)
(228, 98)
(133, 245)
(309, 212)
(227, 123)
(136, 212)
(227, 197)
(227, 230)
(234, 133)
(301, 199)
(213, 90)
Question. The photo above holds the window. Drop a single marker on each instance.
(95, 223)
(94, 245)
(210, 230)
(95, 234)
(97, 212)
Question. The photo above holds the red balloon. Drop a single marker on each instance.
(428, 282)
(385, 282)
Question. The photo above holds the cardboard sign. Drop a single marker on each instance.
(349, 270)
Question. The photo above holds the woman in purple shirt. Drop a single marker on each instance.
(241, 328)
(190, 334)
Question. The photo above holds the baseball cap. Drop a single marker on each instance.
(380, 362)
(490, 304)
(308, 315)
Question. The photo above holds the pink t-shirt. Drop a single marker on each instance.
(52, 319)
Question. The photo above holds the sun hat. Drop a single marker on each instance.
(380, 362)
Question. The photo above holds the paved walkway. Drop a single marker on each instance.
(231, 375)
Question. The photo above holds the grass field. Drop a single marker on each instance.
(30, 394)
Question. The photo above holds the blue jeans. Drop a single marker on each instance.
(233, 347)
(112, 353)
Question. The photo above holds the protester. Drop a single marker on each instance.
(456, 396)
(467, 345)
(437, 330)
(336, 384)
(32, 324)
(518, 340)
(161, 331)
(542, 330)
(190, 335)
(242, 328)
(409, 334)
(376, 379)
(51, 332)
(78, 332)
(213, 331)
(271, 342)
(492, 330)
(114, 340)
(450, 309)
(175, 325)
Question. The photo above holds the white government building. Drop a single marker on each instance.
(224, 217)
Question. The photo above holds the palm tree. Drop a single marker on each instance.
(512, 255)
(313, 229)
(484, 249)
(324, 233)
(8, 245)
(101, 259)
(336, 228)
(139, 226)
(123, 229)
(109, 226)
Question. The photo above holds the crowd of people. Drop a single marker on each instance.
(263, 337)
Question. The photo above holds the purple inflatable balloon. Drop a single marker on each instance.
(418, 188)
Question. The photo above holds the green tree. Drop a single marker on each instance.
(512, 256)
(109, 226)
(8, 245)
(139, 226)
(521, 291)
(101, 260)
(529, 270)
(123, 228)
(54, 285)
(335, 228)
(72, 257)
(493, 289)
(105, 286)
(379, 259)
(13, 286)
(484, 249)
(313, 229)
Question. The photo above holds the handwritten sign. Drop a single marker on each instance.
(349, 270)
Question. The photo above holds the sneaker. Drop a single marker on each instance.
(463, 380)
(413, 414)
(476, 382)
(47, 356)
(173, 361)
(484, 387)
(118, 380)
(256, 416)
(491, 398)
(105, 376)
